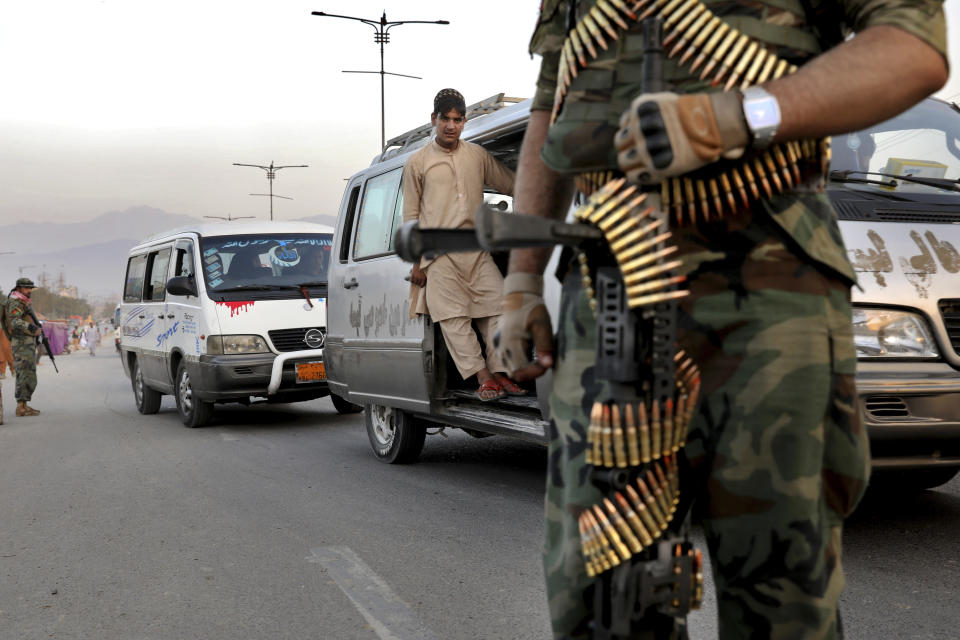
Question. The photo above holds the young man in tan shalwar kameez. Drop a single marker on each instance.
(442, 188)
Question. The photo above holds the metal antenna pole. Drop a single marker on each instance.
(271, 174)
(381, 29)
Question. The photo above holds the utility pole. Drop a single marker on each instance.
(271, 174)
(381, 36)
(228, 217)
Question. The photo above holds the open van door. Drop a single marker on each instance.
(377, 354)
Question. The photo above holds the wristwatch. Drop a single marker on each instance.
(762, 113)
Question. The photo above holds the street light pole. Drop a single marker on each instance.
(381, 36)
(271, 174)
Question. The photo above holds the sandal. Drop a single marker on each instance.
(510, 387)
(490, 385)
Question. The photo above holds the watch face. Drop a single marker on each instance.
(762, 112)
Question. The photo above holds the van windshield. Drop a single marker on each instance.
(265, 261)
(922, 142)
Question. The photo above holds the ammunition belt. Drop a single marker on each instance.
(699, 38)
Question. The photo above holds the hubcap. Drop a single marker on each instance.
(186, 393)
(384, 428)
(138, 386)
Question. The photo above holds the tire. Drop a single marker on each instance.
(193, 411)
(396, 437)
(343, 406)
(916, 479)
(146, 399)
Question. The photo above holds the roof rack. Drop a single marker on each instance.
(406, 140)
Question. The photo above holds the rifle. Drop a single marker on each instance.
(42, 338)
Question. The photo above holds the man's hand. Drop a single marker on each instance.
(418, 276)
(524, 315)
(663, 135)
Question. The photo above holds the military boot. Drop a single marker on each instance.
(25, 411)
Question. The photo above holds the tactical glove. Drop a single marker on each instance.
(663, 135)
(524, 316)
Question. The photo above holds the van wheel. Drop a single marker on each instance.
(396, 436)
(193, 411)
(146, 399)
(343, 406)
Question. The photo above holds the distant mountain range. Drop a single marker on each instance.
(91, 254)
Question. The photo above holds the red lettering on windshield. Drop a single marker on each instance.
(236, 307)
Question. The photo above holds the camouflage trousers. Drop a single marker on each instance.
(778, 451)
(25, 365)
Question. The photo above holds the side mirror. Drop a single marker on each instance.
(182, 286)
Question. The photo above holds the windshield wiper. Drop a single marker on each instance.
(311, 284)
(254, 287)
(939, 183)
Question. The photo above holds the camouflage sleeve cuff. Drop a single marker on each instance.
(921, 18)
(546, 82)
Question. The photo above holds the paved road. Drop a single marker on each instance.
(276, 522)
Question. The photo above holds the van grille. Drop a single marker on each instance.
(950, 310)
(886, 407)
(296, 339)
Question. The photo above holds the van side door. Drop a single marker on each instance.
(382, 359)
(155, 347)
(183, 312)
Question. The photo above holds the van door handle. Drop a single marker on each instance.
(141, 316)
(351, 283)
(160, 316)
(171, 316)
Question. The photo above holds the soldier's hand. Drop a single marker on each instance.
(524, 317)
(663, 135)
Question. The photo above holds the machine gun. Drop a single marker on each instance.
(42, 338)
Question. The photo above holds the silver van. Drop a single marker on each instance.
(901, 233)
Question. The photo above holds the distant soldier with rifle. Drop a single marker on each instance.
(731, 149)
(23, 328)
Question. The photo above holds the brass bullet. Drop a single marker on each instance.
(585, 548)
(728, 192)
(657, 4)
(658, 494)
(621, 526)
(793, 158)
(741, 187)
(715, 197)
(674, 11)
(617, 216)
(763, 177)
(571, 66)
(608, 557)
(718, 56)
(781, 69)
(574, 38)
(586, 39)
(748, 57)
(668, 426)
(751, 181)
(611, 203)
(590, 292)
(611, 533)
(722, 30)
(655, 285)
(731, 59)
(678, 422)
(703, 33)
(667, 487)
(594, 433)
(622, 6)
(665, 195)
(754, 70)
(772, 171)
(686, 28)
(656, 298)
(767, 69)
(677, 198)
(601, 20)
(777, 152)
(619, 444)
(643, 512)
(642, 261)
(627, 240)
(652, 505)
(690, 198)
(594, 29)
(633, 445)
(656, 427)
(641, 531)
(630, 224)
(702, 199)
(644, 274)
(600, 196)
(606, 433)
(611, 13)
(622, 212)
(644, 433)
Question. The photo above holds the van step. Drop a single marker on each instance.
(515, 416)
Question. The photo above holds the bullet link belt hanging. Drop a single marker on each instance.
(700, 39)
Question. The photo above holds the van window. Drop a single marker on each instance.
(133, 286)
(375, 226)
(348, 223)
(159, 261)
(183, 258)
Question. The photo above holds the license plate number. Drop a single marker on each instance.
(311, 371)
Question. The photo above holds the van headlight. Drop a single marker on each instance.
(884, 333)
(230, 345)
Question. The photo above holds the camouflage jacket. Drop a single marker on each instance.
(18, 320)
(581, 138)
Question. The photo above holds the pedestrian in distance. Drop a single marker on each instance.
(777, 453)
(442, 188)
(91, 335)
(23, 333)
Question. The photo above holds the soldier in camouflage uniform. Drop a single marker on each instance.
(778, 452)
(23, 340)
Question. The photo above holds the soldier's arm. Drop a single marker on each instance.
(879, 73)
(539, 191)
(20, 321)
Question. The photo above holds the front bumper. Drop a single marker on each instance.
(912, 413)
(222, 378)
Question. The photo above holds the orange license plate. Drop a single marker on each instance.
(311, 371)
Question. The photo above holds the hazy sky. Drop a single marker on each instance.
(108, 104)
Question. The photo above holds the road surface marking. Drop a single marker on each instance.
(383, 610)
